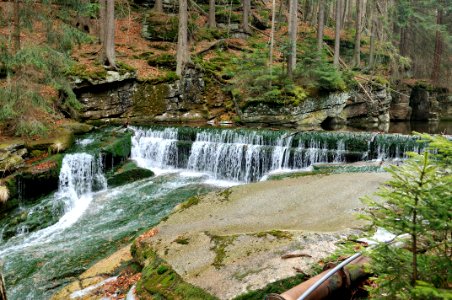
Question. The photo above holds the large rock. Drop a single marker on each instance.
(355, 108)
(141, 102)
(369, 108)
(310, 111)
(12, 157)
(232, 241)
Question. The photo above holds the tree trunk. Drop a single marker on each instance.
(158, 6)
(337, 40)
(344, 13)
(108, 45)
(320, 25)
(182, 38)
(246, 14)
(212, 23)
(102, 18)
(439, 45)
(307, 8)
(357, 52)
(373, 30)
(403, 46)
(293, 26)
(272, 39)
(16, 31)
(350, 10)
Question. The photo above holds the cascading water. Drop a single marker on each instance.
(246, 156)
(80, 175)
(228, 155)
(155, 149)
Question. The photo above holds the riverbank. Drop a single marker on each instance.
(232, 241)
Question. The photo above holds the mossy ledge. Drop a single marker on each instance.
(127, 173)
(158, 278)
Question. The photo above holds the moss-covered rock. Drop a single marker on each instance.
(150, 100)
(159, 280)
(58, 143)
(128, 173)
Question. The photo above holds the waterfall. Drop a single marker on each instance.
(248, 155)
(155, 149)
(228, 155)
(80, 175)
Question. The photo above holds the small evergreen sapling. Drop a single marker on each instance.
(416, 201)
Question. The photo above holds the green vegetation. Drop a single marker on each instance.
(160, 281)
(220, 245)
(127, 173)
(417, 202)
(190, 202)
(182, 240)
(276, 287)
(279, 234)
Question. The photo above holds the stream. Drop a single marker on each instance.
(94, 220)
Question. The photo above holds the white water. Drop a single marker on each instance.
(229, 155)
(156, 150)
(80, 175)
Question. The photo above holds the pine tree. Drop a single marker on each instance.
(415, 201)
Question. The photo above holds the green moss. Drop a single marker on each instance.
(225, 194)
(160, 281)
(277, 287)
(149, 99)
(279, 234)
(190, 202)
(127, 173)
(220, 245)
(80, 71)
(120, 146)
(297, 174)
(182, 240)
(164, 60)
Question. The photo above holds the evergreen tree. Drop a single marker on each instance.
(415, 201)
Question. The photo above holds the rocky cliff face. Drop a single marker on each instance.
(420, 102)
(191, 99)
(128, 100)
(357, 108)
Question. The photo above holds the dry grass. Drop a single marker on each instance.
(4, 194)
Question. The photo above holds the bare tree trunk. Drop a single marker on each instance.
(403, 41)
(439, 45)
(16, 31)
(182, 38)
(373, 29)
(246, 14)
(350, 10)
(357, 52)
(320, 26)
(293, 26)
(272, 39)
(102, 18)
(344, 13)
(158, 6)
(337, 40)
(307, 8)
(212, 23)
(314, 10)
(109, 34)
